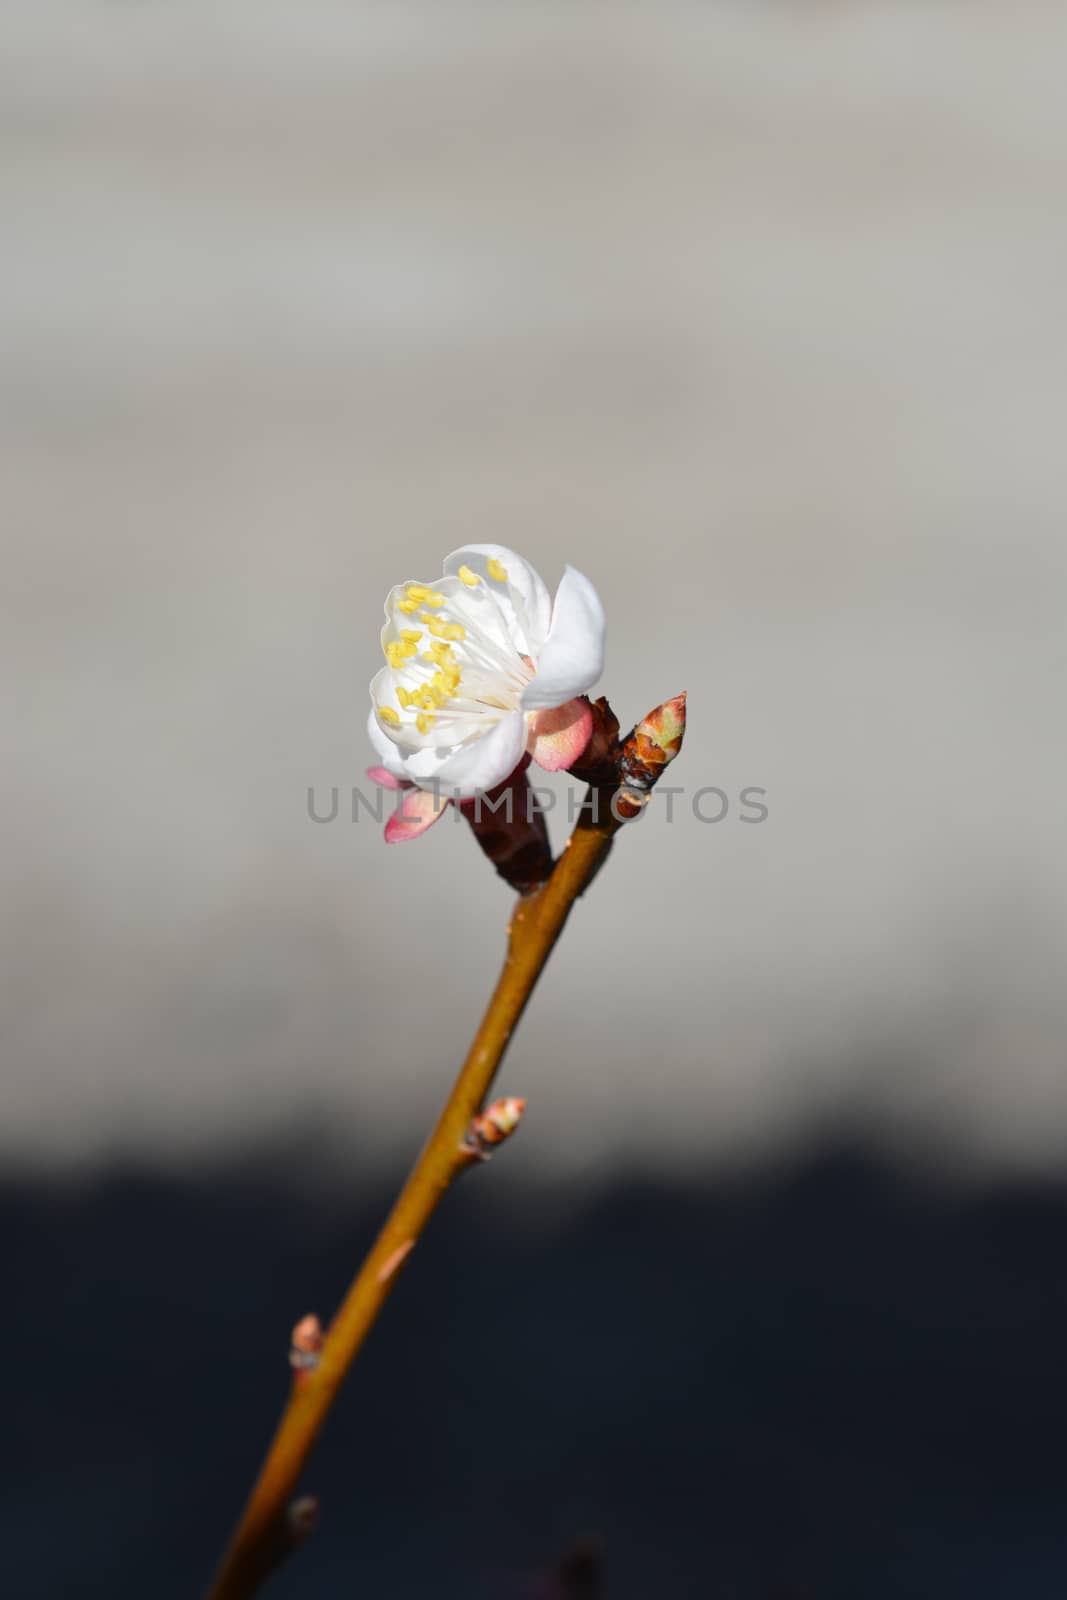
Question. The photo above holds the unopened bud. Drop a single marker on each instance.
(599, 761)
(306, 1343)
(491, 1127)
(302, 1518)
(652, 746)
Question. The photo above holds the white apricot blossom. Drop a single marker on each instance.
(482, 668)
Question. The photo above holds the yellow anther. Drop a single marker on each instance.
(387, 714)
(455, 630)
(469, 578)
(432, 599)
(403, 696)
(495, 570)
(394, 653)
(407, 605)
(424, 722)
(417, 591)
(428, 701)
(412, 635)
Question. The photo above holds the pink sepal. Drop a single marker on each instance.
(418, 811)
(385, 779)
(559, 735)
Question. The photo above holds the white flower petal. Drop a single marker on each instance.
(573, 655)
(387, 752)
(522, 596)
(484, 762)
(460, 658)
(383, 692)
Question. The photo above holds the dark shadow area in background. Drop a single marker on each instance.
(834, 1381)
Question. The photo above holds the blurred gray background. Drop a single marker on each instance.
(756, 314)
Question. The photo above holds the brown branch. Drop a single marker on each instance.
(263, 1536)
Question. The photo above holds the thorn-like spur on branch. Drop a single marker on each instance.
(489, 1129)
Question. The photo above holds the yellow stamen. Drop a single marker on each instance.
(469, 578)
(412, 635)
(455, 630)
(403, 696)
(495, 570)
(397, 651)
(387, 714)
(433, 599)
(407, 605)
(424, 722)
(417, 591)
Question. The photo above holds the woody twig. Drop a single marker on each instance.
(621, 776)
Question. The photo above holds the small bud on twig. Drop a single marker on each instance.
(302, 1518)
(306, 1343)
(491, 1127)
(653, 744)
(286, 1532)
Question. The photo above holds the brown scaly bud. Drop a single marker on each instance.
(599, 762)
(305, 1345)
(650, 748)
(491, 1127)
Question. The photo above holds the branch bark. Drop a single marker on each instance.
(264, 1535)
